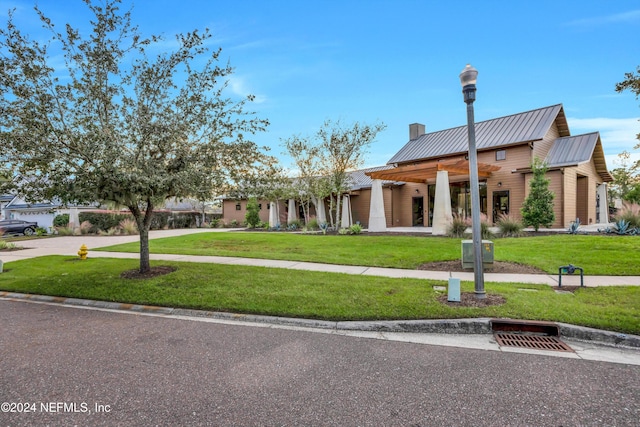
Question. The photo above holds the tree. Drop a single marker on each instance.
(252, 217)
(115, 123)
(342, 149)
(537, 209)
(627, 177)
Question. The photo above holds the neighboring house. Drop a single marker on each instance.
(42, 213)
(427, 180)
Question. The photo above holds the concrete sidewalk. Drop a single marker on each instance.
(69, 245)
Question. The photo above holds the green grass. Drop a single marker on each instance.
(329, 296)
(597, 254)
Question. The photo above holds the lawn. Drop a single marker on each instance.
(329, 296)
(597, 254)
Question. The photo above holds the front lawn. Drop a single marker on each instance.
(597, 254)
(329, 296)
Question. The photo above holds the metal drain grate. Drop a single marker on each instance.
(535, 342)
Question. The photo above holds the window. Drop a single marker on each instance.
(259, 206)
(237, 206)
(501, 154)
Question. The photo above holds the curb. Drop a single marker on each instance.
(439, 326)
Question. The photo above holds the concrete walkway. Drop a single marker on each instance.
(69, 245)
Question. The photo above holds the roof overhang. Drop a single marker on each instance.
(424, 171)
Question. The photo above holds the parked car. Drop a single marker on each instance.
(17, 226)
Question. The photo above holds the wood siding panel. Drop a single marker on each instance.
(570, 188)
(541, 148)
(360, 207)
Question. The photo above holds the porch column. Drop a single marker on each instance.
(377, 220)
(292, 215)
(273, 214)
(346, 212)
(74, 221)
(321, 215)
(442, 204)
(604, 204)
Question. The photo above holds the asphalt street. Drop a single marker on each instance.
(77, 366)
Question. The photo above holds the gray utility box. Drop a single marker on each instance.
(467, 253)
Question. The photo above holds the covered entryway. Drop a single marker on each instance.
(417, 209)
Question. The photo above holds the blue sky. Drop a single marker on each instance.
(397, 62)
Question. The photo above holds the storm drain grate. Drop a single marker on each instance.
(535, 342)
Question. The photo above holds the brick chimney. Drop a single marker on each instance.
(415, 130)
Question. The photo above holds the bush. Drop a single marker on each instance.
(630, 212)
(86, 228)
(252, 217)
(355, 229)
(457, 227)
(313, 224)
(215, 222)
(294, 225)
(102, 221)
(234, 223)
(61, 220)
(128, 226)
(63, 231)
(509, 227)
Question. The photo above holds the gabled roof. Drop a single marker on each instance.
(503, 131)
(359, 179)
(574, 150)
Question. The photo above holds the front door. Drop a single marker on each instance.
(500, 204)
(418, 211)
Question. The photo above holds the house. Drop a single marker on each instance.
(427, 181)
(506, 148)
(16, 207)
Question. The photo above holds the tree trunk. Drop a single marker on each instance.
(145, 265)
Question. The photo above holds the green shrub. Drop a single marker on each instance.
(457, 227)
(631, 214)
(64, 231)
(215, 222)
(355, 229)
(61, 220)
(294, 225)
(509, 226)
(40, 231)
(252, 217)
(234, 223)
(128, 226)
(103, 221)
(313, 224)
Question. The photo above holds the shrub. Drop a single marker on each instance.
(509, 227)
(8, 245)
(40, 231)
(294, 225)
(343, 231)
(233, 223)
(574, 227)
(215, 222)
(313, 224)
(64, 231)
(355, 229)
(128, 226)
(86, 228)
(457, 227)
(630, 212)
(103, 221)
(252, 217)
(537, 209)
(61, 220)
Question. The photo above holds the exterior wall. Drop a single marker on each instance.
(229, 212)
(517, 157)
(387, 196)
(592, 181)
(541, 148)
(570, 186)
(360, 204)
(403, 202)
(556, 183)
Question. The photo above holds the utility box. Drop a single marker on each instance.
(467, 253)
(453, 294)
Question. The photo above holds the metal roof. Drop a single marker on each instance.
(358, 179)
(574, 150)
(502, 131)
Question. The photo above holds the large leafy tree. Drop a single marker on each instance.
(116, 123)
(626, 177)
(537, 209)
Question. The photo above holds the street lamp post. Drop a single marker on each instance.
(468, 79)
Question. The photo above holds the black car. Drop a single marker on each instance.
(17, 226)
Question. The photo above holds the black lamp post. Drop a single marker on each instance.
(468, 79)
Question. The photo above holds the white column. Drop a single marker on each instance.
(442, 205)
(273, 215)
(321, 215)
(346, 212)
(74, 221)
(377, 220)
(604, 203)
(292, 215)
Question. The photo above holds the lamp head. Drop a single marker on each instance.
(468, 76)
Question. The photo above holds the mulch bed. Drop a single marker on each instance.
(496, 267)
(160, 270)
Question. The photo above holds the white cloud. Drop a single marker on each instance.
(616, 134)
(238, 85)
(617, 18)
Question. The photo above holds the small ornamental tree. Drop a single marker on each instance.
(252, 217)
(537, 209)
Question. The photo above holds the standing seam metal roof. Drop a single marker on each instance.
(572, 150)
(522, 127)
